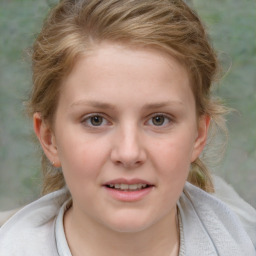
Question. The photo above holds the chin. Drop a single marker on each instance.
(130, 223)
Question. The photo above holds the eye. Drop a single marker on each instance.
(94, 120)
(159, 120)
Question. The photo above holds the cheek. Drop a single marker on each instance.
(173, 157)
(81, 159)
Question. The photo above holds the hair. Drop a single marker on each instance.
(75, 26)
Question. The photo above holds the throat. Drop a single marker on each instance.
(84, 236)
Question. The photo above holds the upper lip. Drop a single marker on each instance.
(127, 181)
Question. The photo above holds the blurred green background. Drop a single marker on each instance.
(232, 27)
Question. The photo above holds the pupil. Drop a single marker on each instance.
(96, 120)
(158, 120)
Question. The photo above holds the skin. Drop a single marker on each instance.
(148, 129)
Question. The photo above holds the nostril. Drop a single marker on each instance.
(128, 154)
(129, 165)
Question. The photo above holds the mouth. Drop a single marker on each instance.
(128, 190)
(128, 187)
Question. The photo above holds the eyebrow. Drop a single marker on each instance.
(162, 104)
(95, 104)
(105, 105)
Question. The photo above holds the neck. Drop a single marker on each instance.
(90, 238)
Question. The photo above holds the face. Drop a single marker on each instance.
(125, 134)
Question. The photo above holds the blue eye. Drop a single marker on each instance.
(95, 120)
(159, 120)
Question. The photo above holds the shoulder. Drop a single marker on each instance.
(210, 223)
(245, 212)
(6, 215)
(32, 227)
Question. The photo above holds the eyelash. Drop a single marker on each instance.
(87, 120)
(167, 119)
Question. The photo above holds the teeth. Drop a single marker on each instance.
(127, 187)
(117, 186)
(124, 186)
(134, 186)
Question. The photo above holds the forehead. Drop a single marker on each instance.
(110, 70)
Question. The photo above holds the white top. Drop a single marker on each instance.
(62, 245)
(208, 226)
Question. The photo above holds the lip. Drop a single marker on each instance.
(128, 196)
(127, 181)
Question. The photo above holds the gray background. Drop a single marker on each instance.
(231, 24)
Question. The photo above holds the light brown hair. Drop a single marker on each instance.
(73, 27)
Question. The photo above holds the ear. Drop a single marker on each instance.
(202, 131)
(47, 139)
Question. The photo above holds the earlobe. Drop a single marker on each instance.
(47, 139)
(203, 126)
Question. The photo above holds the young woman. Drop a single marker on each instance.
(122, 108)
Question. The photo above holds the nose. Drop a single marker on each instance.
(128, 149)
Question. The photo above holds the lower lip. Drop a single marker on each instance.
(128, 196)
